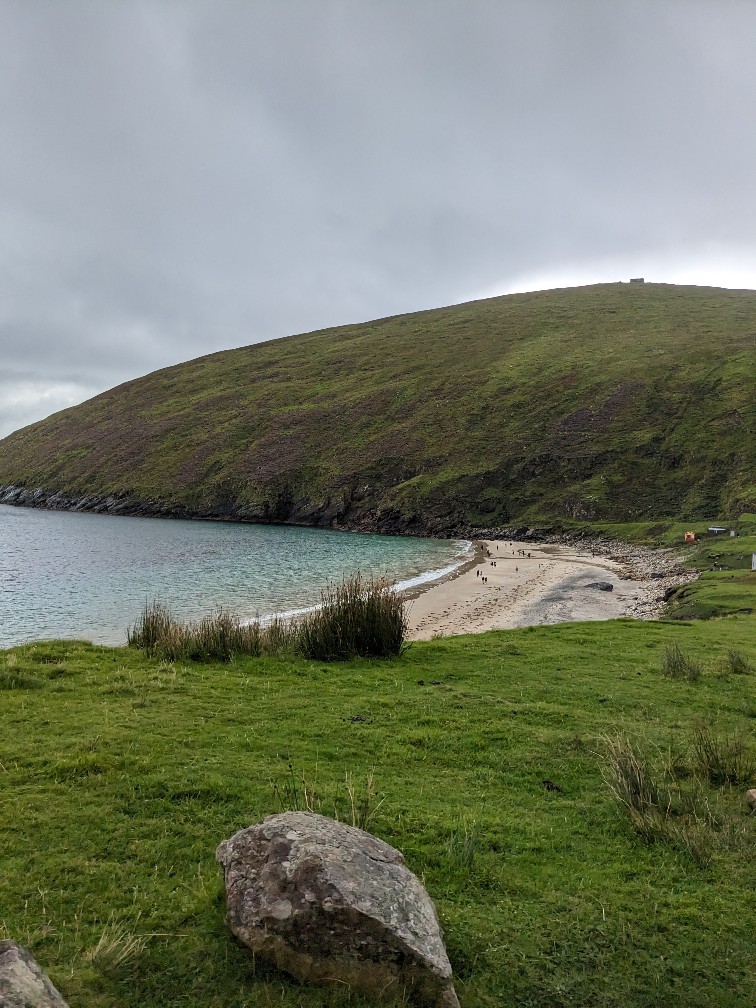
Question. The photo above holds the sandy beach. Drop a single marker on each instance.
(516, 584)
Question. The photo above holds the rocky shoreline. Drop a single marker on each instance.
(115, 504)
(661, 571)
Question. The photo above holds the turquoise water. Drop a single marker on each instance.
(89, 576)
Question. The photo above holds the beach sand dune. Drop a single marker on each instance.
(525, 584)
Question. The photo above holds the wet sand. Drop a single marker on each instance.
(525, 584)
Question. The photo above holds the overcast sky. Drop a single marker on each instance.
(180, 177)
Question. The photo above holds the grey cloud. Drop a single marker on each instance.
(177, 178)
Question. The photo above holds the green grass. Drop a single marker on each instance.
(726, 583)
(120, 775)
(607, 403)
(659, 532)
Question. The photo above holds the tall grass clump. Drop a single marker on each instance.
(461, 846)
(353, 802)
(361, 617)
(357, 618)
(691, 820)
(295, 793)
(217, 637)
(115, 947)
(364, 801)
(631, 780)
(677, 665)
(736, 664)
(723, 760)
(154, 625)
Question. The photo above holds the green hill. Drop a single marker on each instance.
(607, 403)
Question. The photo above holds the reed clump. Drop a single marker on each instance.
(217, 637)
(723, 759)
(677, 665)
(736, 664)
(693, 820)
(361, 617)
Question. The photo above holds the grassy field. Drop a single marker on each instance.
(604, 403)
(120, 775)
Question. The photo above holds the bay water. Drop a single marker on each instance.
(88, 576)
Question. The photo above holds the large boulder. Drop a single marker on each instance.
(328, 903)
(22, 982)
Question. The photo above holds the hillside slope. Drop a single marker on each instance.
(610, 402)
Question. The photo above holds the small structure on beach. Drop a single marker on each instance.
(637, 280)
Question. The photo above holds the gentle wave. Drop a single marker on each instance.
(427, 577)
(435, 575)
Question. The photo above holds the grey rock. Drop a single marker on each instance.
(601, 585)
(22, 982)
(328, 903)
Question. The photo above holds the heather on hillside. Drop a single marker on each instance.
(611, 402)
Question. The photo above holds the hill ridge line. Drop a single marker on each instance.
(605, 403)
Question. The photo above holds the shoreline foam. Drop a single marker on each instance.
(409, 587)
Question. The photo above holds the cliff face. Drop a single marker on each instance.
(343, 513)
(609, 402)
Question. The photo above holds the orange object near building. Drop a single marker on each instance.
(690, 537)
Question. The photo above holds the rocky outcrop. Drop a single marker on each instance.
(341, 510)
(53, 500)
(22, 982)
(328, 903)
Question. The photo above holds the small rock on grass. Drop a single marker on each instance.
(331, 904)
(22, 982)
